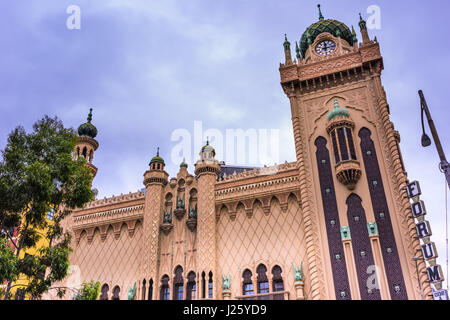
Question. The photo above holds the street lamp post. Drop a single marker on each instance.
(426, 142)
(444, 165)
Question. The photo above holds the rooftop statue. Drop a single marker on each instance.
(193, 212)
(168, 216)
(298, 273)
(132, 292)
(226, 282)
(180, 203)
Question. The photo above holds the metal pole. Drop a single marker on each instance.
(444, 164)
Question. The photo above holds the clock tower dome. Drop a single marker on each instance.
(361, 237)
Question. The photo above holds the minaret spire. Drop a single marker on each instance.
(287, 51)
(297, 50)
(89, 118)
(320, 13)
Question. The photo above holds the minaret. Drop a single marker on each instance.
(86, 144)
(155, 179)
(364, 33)
(207, 170)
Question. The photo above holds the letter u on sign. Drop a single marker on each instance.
(429, 251)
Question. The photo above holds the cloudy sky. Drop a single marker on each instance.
(150, 69)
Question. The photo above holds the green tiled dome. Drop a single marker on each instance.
(207, 147)
(336, 28)
(88, 129)
(157, 158)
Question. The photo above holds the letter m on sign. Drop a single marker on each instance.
(435, 274)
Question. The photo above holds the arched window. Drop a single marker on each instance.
(104, 292)
(150, 289)
(277, 282)
(178, 284)
(210, 285)
(191, 287)
(263, 282)
(78, 152)
(247, 287)
(85, 152)
(165, 290)
(203, 284)
(116, 293)
(143, 289)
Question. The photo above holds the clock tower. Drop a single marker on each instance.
(359, 229)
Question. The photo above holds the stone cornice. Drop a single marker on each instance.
(261, 185)
(107, 216)
(89, 140)
(114, 200)
(331, 65)
(261, 174)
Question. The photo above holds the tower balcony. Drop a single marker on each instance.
(348, 173)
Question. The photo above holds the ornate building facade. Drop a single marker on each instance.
(335, 224)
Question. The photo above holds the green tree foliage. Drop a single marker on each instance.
(8, 262)
(38, 174)
(89, 291)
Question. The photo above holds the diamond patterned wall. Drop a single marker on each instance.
(112, 261)
(273, 239)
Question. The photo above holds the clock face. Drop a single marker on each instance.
(325, 47)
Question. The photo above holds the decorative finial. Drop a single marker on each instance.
(320, 13)
(89, 118)
(362, 23)
(355, 38)
(157, 152)
(287, 44)
(297, 49)
(336, 104)
(207, 141)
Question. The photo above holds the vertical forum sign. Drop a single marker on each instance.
(424, 233)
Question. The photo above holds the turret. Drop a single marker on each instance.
(155, 179)
(207, 170)
(86, 144)
(287, 51)
(363, 27)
